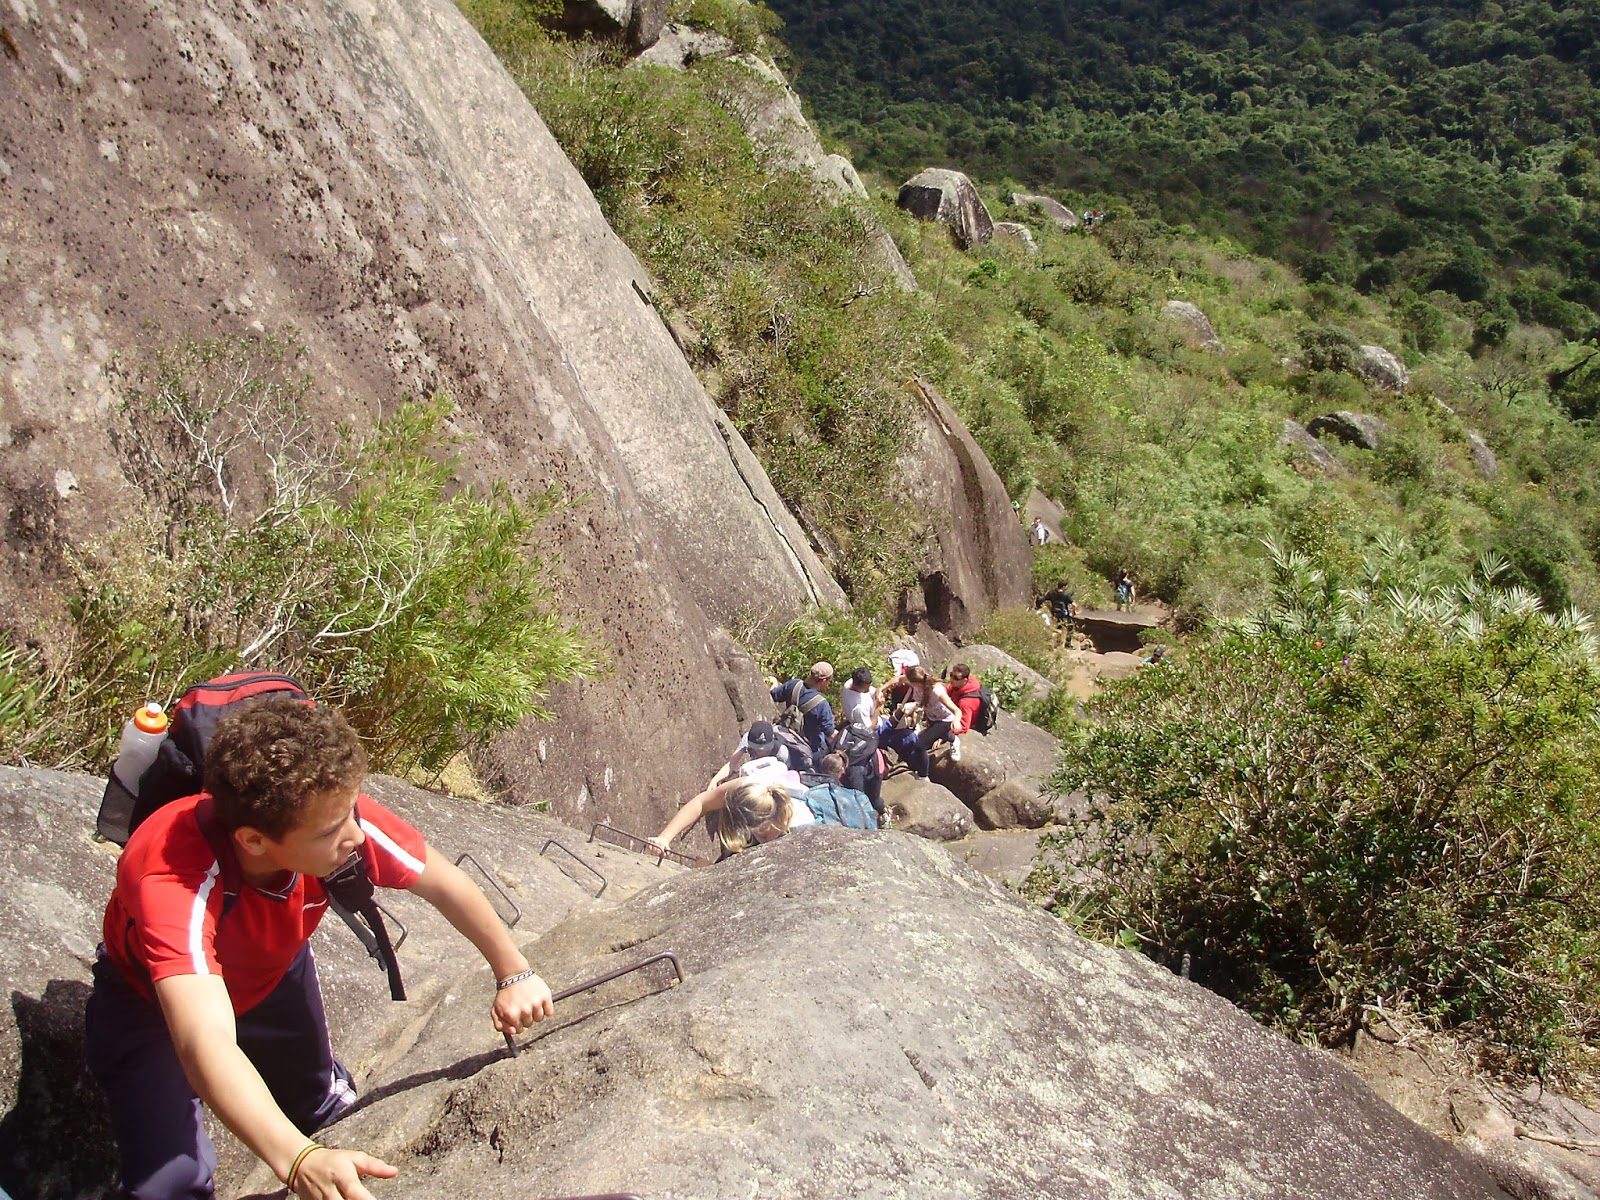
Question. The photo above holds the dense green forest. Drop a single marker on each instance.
(1395, 145)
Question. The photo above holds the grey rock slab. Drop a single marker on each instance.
(1013, 805)
(925, 809)
(982, 658)
(1114, 631)
(1302, 442)
(1059, 214)
(1018, 234)
(865, 1017)
(1353, 428)
(1483, 457)
(1013, 751)
(940, 194)
(1005, 855)
(847, 173)
(1197, 327)
(1382, 368)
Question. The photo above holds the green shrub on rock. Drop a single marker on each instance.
(1358, 799)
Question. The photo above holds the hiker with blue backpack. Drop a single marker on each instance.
(205, 989)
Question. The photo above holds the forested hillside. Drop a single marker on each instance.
(1393, 146)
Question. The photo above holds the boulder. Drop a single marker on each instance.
(939, 194)
(54, 882)
(983, 659)
(1354, 429)
(1048, 510)
(862, 1016)
(1060, 215)
(1013, 752)
(1002, 854)
(1482, 456)
(846, 170)
(636, 23)
(339, 187)
(1021, 235)
(1302, 444)
(1013, 805)
(1197, 329)
(1381, 368)
(925, 809)
(1120, 632)
(681, 46)
(977, 558)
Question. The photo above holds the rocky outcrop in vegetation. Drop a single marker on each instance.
(1352, 428)
(1197, 328)
(1058, 213)
(940, 194)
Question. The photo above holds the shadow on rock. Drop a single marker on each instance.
(56, 1140)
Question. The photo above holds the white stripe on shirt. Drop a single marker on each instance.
(197, 920)
(389, 844)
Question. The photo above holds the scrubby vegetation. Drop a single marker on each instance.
(269, 542)
(1378, 796)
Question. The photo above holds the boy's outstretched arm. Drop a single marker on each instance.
(199, 1019)
(445, 886)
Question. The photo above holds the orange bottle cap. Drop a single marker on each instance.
(151, 718)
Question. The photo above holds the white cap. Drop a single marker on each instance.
(903, 658)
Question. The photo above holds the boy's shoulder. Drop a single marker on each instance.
(168, 841)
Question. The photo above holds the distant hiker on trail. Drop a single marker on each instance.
(738, 814)
(205, 989)
(1060, 605)
(1038, 534)
(1124, 588)
(806, 709)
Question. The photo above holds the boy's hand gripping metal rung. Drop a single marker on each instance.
(664, 956)
(516, 912)
(573, 854)
(688, 860)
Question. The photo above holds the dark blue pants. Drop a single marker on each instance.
(155, 1115)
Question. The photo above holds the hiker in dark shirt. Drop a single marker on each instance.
(1060, 602)
(815, 714)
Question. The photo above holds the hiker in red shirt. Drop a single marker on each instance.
(206, 989)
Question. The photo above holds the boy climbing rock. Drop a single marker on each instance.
(206, 989)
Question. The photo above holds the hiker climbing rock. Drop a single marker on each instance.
(806, 709)
(205, 989)
(1124, 589)
(738, 814)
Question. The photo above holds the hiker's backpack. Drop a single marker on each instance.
(798, 752)
(793, 716)
(179, 771)
(988, 711)
(834, 804)
(857, 745)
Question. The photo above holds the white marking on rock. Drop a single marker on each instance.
(66, 483)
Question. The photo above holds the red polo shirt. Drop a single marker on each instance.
(163, 917)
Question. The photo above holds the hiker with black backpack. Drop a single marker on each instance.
(205, 988)
(806, 710)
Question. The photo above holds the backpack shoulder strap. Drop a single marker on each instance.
(809, 706)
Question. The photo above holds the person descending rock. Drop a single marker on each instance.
(738, 814)
(1038, 534)
(767, 753)
(1124, 588)
(1063, 611)
(806, 709)
(963, 687)
(205, 989)
(857, 738)
(939, 715)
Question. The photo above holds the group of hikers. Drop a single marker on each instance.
(815, 766)
(249, 823)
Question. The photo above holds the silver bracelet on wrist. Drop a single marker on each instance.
(502, 984)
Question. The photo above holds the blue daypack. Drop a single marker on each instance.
(834, 804)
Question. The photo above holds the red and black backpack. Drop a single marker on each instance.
(179, 771)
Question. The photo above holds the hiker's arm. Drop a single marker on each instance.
(693, 809)
(446, 886)
(199, 1019)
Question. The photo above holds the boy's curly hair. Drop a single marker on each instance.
(270, 757)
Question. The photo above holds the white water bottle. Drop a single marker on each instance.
(141, 739)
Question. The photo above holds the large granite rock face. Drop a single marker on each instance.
(1382, 368)
(864, 1017)
(977, 559)
(939, 194)
(234, 166)
(1059, 214)
(54, 882)
(1352, 428)
(1196, 326)
(925, 809)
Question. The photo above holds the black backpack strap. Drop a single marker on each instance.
(350, 895)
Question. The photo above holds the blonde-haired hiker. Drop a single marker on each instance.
(738, 814)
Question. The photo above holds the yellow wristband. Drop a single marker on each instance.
(298, 1159)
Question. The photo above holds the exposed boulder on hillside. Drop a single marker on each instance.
(926, 809)
(939, 194)
(978, 557)
(54, 882)
(864, 1017)
(1049, 511)
(1018, 234)
(1003, 854)
(1381, 368)
(338, 185)
(773, 118)
(1352, 428)
(1482, 456)
(1197, 328)
(1301, 441)
(680, 46)
(1114, 631)
(1002, 774)
(1060, 215)
(635, 23)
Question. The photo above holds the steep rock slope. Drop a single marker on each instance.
(367, 174)
(864, 1017)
